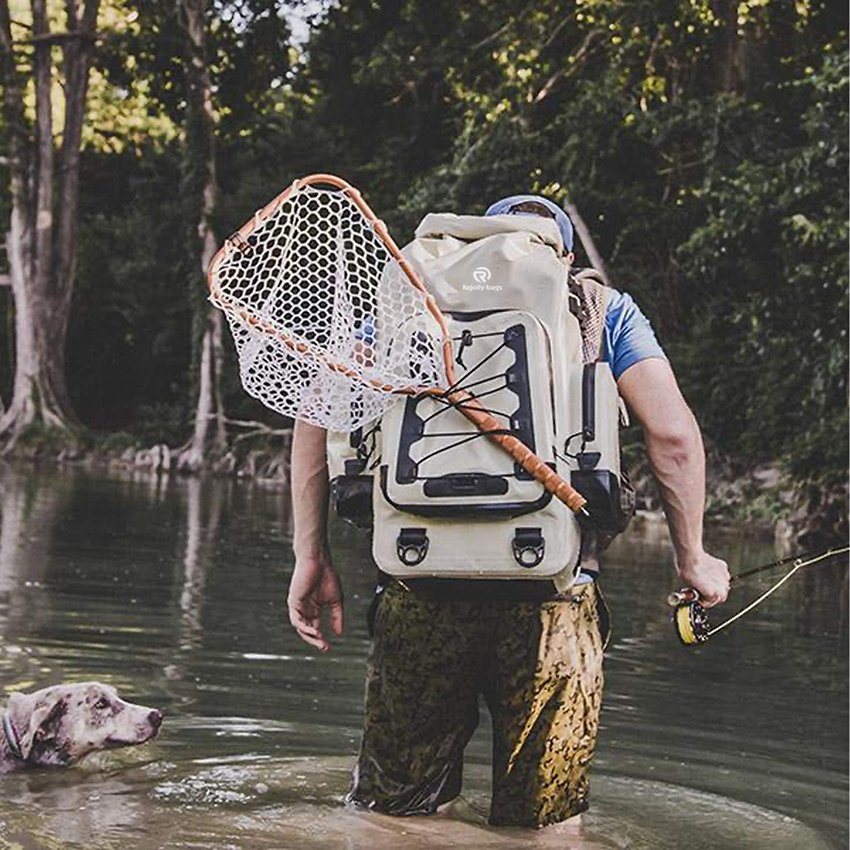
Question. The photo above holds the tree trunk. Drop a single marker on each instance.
(730, 51)
(42, 237)
(209, 437)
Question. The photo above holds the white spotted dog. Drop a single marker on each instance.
(57, 726)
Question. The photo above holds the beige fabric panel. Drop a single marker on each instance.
(476, 548)
(443, 447)
(606, 415)
(339, 451)
(470, 228)
(514, 270)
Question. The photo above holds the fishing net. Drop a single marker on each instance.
(327, 325)
(330, 322)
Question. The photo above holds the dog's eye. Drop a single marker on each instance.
(101, 704)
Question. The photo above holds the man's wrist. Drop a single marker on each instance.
(688, 556)
(310, 550)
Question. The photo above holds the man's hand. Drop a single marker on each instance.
(708, 575)
(314, 585)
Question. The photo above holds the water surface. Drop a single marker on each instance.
(173, 590)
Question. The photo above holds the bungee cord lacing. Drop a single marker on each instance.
(463, 383)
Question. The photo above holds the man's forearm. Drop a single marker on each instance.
(676, 455)
(677, 459)
(309, 489)
(674, 449)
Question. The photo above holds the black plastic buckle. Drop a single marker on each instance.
(602, 490)
(529, 546)
(588, 460)
(412, 546)
(466, 339)
(354, 466)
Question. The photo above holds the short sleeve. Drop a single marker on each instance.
(629, 337)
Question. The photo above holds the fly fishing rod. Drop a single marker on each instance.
(690, 618)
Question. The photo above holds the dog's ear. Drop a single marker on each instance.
(31, 715)
(21, 710)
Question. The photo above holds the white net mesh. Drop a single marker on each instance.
(326, 324)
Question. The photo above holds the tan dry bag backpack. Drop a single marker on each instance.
(445, 500)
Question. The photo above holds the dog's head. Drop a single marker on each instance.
(61, 724)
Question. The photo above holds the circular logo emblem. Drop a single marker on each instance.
(481, 274)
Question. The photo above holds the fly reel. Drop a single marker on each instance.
(690, 621)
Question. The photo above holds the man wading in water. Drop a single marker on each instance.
(537, 663)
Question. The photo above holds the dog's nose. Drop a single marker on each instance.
(155, 718)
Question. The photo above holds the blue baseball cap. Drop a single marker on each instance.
(504, 206)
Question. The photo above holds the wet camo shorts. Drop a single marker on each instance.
(539, 668)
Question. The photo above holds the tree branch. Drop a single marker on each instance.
(59, 37)
(587, 242)
(586, 49)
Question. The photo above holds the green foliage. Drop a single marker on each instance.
(116, 442)
(160, 422)
(38, 440)
(773, 249)
(705, 145)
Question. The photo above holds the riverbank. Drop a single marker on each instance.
(760, 498)
(262, 454)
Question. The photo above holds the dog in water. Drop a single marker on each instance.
(57, 726)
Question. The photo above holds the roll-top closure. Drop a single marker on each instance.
(472, 227)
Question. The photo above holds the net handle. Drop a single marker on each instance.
(470, 407)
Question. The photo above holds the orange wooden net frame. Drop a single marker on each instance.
(331, 322)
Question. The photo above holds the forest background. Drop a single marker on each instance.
(704, 143)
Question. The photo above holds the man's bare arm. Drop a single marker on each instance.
(676, 455)
(314, 584)
(309, 489)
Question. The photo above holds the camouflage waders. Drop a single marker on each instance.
(539, 668)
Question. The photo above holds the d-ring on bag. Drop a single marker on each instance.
(448, 502)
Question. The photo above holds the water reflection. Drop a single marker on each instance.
(200, 537)
(173, 590)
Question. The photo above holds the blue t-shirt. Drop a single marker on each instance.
(628, 336)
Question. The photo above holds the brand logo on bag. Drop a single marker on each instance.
(481, 276)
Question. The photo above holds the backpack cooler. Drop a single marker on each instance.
(445, 500)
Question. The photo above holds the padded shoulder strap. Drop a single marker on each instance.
(589, 300)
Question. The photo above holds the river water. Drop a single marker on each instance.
(173, 591)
